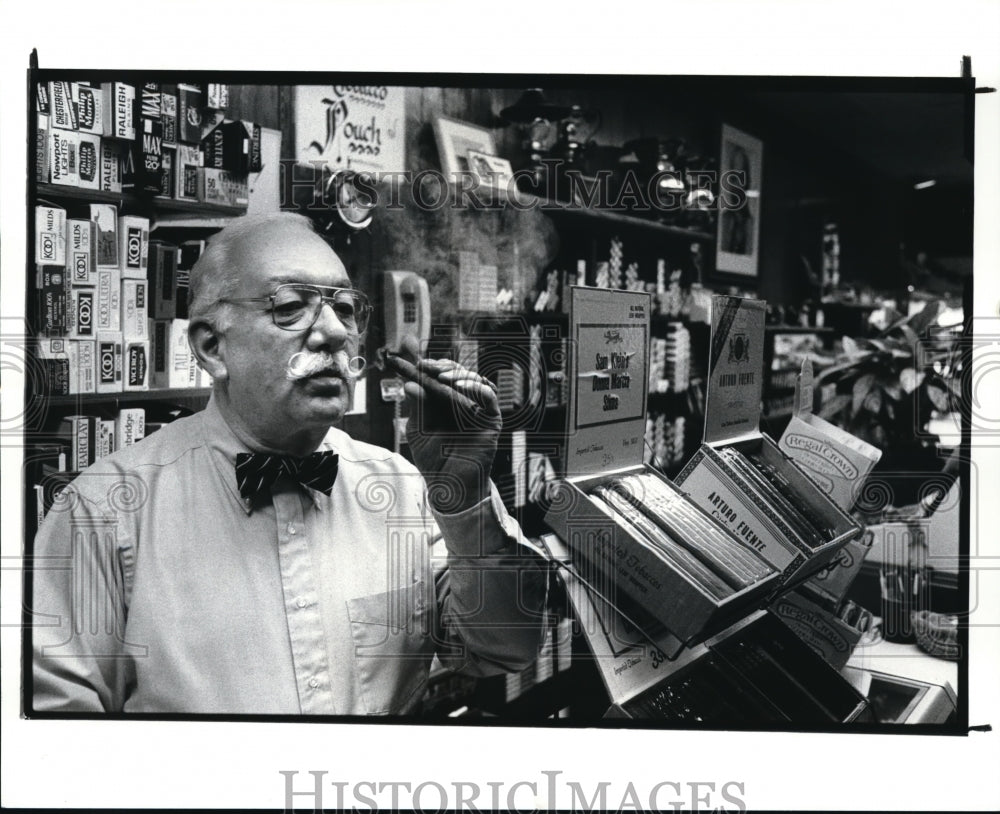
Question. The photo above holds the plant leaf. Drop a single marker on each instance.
(834, 406)
(860, 391)
(873, 401)
(939, 397)
(910, 379)
(851, 347)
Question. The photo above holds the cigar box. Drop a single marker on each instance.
(606, 416)
(732, 421)
(833, 637)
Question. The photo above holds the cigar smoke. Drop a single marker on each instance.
(306, 363)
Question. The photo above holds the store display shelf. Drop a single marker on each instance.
(128, 200)
(184, 395)
(569, 210)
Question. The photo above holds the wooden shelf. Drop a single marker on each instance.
(128, 200)
(183, 395)
(568, 210)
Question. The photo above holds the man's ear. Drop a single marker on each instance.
(206, 344)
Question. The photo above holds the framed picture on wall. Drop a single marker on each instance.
(454, 141)
(738, 238)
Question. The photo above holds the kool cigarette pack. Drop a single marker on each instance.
(119, 103)
(135, 365)
(90, 110)
(656, 556)
(69, 365)
(88, 161)
(739, 475)
(104, 220)
(82, 311)
(109, 289)
(50, 235)
(135, 311)
(81, 262)
(109, 362)
(133, 246)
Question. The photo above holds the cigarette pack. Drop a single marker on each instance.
(168, 117)
(119, 103)
(740, 475)
(112, 153)
(90, 110)
(167, 176)
(105, 437)
(69, 365)
(133, 246)
(142, 169)
(42, 98)
(63, 148)
(81, 317)
(53, 301)
(217, 97)
(42, 148)
(223, 188)
(189, 114)
(227, 147)
(78, 434)
(109, 362)
(659, 558)
(149, 100)
(130, 427)
(109, 289)
(50, 235)
(89, 161)
(188, 160)
(61, 101)
(135, 311)
(135, 363)
(82, 250)
(104, 220)
(163, 279)
(172, 357)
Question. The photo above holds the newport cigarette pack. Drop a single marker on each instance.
(223, 188)
(119, 104)
(63, 146)
(81, 262)
(739, 475)
(50, 235)
(133, 246)
(112, 153)
(172, 357)
(109, 361)
(168, 115)
(189, 104)
(130, 427)
(104, 220)
(53, 301)
(88, 161)
(163, 279)
(61, 105)
(82, 311)
(187, 161)
(135, 311)
(90, 109)
(69, 365)
(109, 289)
(135, 365)
(659, 558)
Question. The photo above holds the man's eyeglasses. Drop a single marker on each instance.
(296, 306)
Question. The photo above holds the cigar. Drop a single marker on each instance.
(431, 386)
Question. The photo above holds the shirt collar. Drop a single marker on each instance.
(223, 446)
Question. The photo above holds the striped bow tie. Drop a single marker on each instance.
(256, 472)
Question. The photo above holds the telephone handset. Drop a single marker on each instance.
(406, 302)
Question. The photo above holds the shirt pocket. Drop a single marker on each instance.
(393, 646)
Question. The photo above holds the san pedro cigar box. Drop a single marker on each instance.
(642, 544)
(798, 536)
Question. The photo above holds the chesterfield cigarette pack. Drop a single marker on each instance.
(50, 235)
(111, 165)
(63, 146)
(135, 311)
(172, 357)
(130, 427)
(135, 365)
(168, 115)
(88, 161)
(187, 161)
(61, 105)
(104, 220)
(90, 110)
(82, 311)
(189, 104)
(133, 246)
(119, 109)
(53, 301)
(109, 289)
(69, 365)
(739, 475)
(109, 361)
(81, 262)
(662, 561)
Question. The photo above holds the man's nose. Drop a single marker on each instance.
(328, 329)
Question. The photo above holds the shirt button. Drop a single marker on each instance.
(301, 602)
(314, 683)
(292, 530)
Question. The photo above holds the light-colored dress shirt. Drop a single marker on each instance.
(157, 588)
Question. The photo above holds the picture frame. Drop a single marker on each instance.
(454, 141)
(738, 236)
(490, 170)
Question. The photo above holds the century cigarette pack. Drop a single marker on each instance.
(104, 218)
(88, 161)
(81, 262)
(81, 316)
(119, 103)
(135, 311)
(133, 246)
(50, 235)
(69, 365)
(90, 110)
(109, 362)
(135, 365)
(658, 557)
(739, 474)
(230, 146)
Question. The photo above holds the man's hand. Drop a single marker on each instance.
(453, 428)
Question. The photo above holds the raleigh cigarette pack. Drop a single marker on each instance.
(133, 246)
(50, 235)
(81, 263)
(739, 475)
(109, 361)
(119, 103)
(111, 165)
(657, 557)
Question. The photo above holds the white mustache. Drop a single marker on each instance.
(305, 363)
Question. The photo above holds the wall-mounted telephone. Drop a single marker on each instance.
(407, 304)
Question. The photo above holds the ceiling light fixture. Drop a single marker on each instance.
(925, 184)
